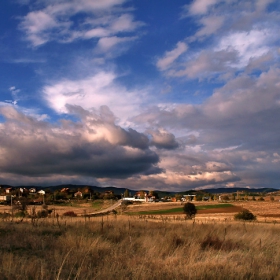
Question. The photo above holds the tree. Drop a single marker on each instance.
(126, 193)
(153, 193)
(245, 215)
(178, 197)
(225, 197)
(142, 194)
(190, 210)
(22, 204)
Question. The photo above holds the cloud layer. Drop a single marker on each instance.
(67, 21)
(141, 94)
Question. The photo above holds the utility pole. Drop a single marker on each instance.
(12, 204)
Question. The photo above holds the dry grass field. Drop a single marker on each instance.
(267, 210)
(126, 247)
(263, 209)
(79, 209)
(213, 246)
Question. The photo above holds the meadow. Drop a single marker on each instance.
(179, 210)
(130, 247)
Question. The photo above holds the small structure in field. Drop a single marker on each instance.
(42, 192)
(32, 190)
(5, 198)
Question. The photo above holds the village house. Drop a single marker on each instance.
(23, 190)
(142, 197)
(189, 197)
(9, 190)
(65, 190)
(42, 192)
(6, 198)
(78, 194)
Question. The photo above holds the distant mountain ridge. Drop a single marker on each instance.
(231, 190)
(119, 191)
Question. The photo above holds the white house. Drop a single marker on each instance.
(42, 192)
(5, 197)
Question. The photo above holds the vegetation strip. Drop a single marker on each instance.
(178, 210)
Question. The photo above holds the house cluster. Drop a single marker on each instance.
(68, 191)
(64, 193)
(142, 197)
(85, 192)
(8, 193)
(12, 190)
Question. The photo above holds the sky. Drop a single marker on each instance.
(140, 94)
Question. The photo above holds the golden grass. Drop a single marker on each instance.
(121, 247)
(264, 210)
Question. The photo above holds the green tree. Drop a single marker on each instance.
(245, 215)
(153, 193)
(142, 194)
(190, 210)
(225, 197)
(126, 193)
(178, 196)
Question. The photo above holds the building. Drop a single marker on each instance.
(5, 198)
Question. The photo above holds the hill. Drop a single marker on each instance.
(119, 191)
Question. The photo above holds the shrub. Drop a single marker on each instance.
(190, 210)
(70, 214)
(214, 242)
(126, 202)
(225, 197)
(261, 199)
(20, 214)
(42, 214)
(5, 215)
(245, 215)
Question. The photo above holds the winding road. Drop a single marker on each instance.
(107, 210)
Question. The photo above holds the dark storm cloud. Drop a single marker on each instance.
(163, 139)
(92, 147)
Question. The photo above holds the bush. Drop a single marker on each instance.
(225, 197)
(245, 215)
(42, 214)
(190, 210)
(126, 202)
(70, 214)
(20, 214)
(5, 215)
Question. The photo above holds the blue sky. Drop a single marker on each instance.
(167, 95)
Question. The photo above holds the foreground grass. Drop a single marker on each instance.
(130, 248)
(179, 210)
